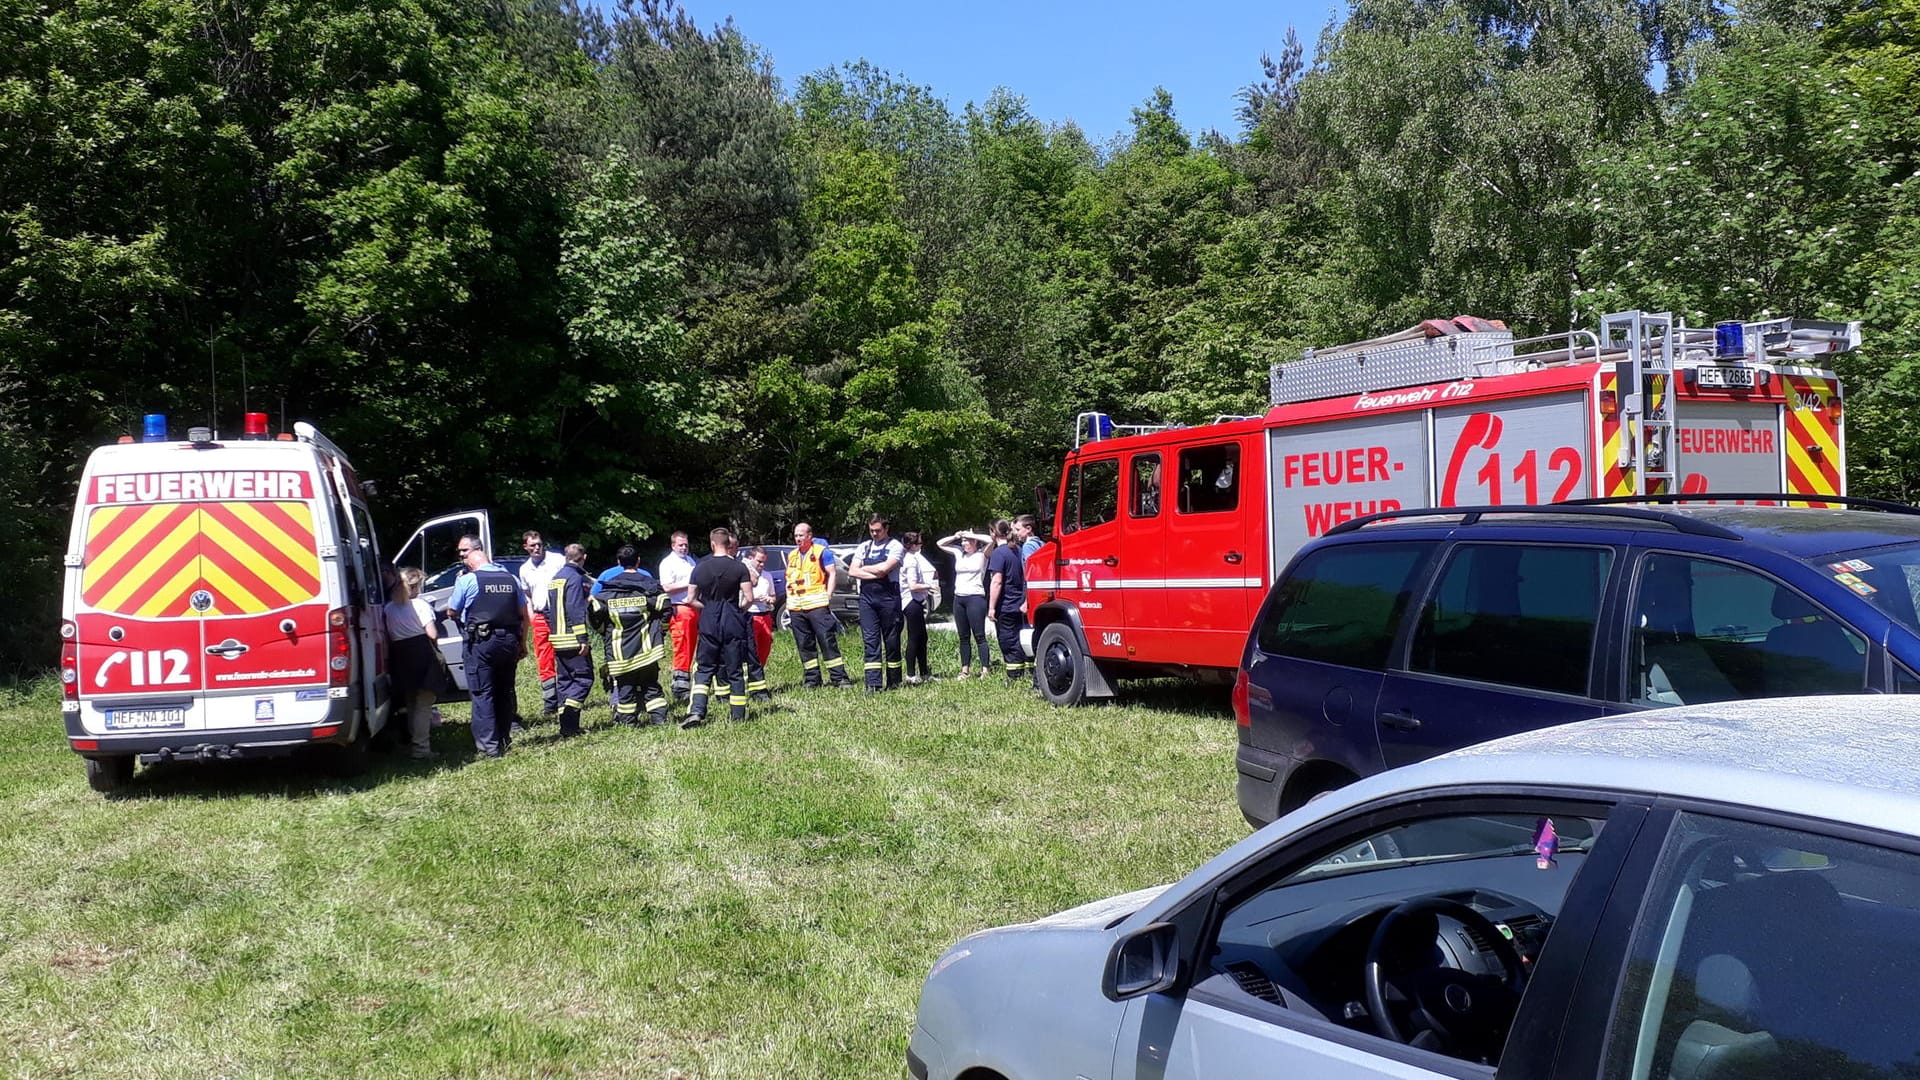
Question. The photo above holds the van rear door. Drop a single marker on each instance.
(185, 602)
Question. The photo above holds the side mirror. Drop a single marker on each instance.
(1043, 506)
(1146, 961)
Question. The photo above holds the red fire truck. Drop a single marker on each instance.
(1166, 538)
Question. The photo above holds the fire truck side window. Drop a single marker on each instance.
(1210, 478)
(1514, 614)
(1342, 605)
(1096, 492)
(1145, 498)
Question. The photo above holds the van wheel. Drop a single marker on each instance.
(109, 774)
(1061, 664)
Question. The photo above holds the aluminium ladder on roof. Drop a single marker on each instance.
(1647, 384)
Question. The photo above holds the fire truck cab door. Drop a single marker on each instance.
(1143, 552)
(1092, 564)
(1205, 590)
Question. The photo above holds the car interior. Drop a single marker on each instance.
(1764, 962)
(1707, 632)
(1424, 933)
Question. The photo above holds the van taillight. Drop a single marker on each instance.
(1242, 715)
(69, 660)
(339, 647)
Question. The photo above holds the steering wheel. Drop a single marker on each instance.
(1460, 1013)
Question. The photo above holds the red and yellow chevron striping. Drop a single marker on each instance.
(148, 561)
(1810, 423)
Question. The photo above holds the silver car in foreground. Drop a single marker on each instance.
(1718, 892)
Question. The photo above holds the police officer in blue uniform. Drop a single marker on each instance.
(567, 631)
(492, 606)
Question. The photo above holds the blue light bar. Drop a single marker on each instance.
(154, 428)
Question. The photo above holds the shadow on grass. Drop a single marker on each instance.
(1181, 696)
(304, 774)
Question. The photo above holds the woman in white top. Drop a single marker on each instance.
(969, 551)
(413, 658)
(919, 594)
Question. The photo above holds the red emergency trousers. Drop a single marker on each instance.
(543, 647)
(763, 635)
(686, 634)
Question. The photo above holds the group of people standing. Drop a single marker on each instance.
(710, 620)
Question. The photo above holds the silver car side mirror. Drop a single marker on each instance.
(1145, 961)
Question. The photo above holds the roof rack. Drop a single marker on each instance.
(1471, 515)
(1886, 505)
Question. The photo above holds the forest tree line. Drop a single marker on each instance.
(604, 272)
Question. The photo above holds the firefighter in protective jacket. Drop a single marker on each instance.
(632, 610)
(567, 610)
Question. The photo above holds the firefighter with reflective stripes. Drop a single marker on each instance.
(760, 622)
(816, 634)
(632, 610)
(492, 606)
(720, 590)
(876, 565)
(567, 633)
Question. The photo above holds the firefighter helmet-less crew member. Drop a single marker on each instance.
(722, 588)
(567, 633)
(816, 636)
(632, 609)
(876, 563)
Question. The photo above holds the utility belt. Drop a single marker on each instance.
(482, 631)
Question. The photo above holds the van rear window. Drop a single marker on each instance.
(231, 557)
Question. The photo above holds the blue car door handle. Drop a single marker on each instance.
(1404, 721)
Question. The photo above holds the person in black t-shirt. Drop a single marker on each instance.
(721, 590)
(1007, 599)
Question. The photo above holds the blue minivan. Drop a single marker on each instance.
(1397, 637)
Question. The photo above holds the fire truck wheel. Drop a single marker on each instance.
(109, 774)
(1059, 659)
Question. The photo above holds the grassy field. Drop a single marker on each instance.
(744, 900)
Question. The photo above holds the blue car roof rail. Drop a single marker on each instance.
(1886, 505)
(1471, 515)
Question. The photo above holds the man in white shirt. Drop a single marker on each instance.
(676, 574)
(534, 575)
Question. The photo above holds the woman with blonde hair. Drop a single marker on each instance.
(413, 657)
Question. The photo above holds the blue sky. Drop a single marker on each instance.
(1080, 60)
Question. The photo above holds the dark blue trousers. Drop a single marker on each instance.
(573, 675)
(880, 638)
(490, 668)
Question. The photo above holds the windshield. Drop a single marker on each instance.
(1889, 577)
(1456, 838)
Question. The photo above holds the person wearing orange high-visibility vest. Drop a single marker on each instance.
(816, 635)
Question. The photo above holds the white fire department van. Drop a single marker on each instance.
(222, 599)
(1166, 538)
